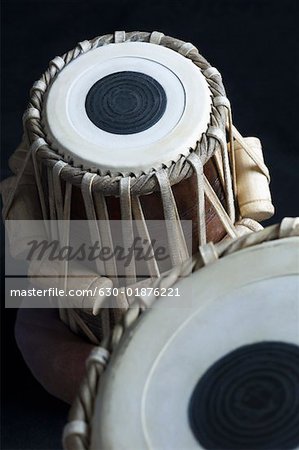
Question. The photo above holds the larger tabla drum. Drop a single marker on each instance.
(217, 370)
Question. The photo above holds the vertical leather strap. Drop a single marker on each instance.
(176, 239)
(34, 149)
(217, 134)
(219, 209)
(196, 163)
(86, 189)
(144, 234)
(127, 226)
(106, 236)
(52, 209)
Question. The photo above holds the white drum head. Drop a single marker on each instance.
(223, 373)
(127, 108)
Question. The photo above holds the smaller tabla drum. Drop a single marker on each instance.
(220, 373)
(129, 129)
(116, 120)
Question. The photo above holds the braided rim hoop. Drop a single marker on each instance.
(77, 432)
(146, 182)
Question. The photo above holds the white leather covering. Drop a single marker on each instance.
(75, 136)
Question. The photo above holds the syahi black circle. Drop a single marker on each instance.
(126, 102)
(249, 399)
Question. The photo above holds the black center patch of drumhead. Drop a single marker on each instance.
(249, 399)
(125, 102)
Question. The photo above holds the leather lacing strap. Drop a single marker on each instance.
(177, 244)
(97, 214)
(127, 227)
(208, 253)
(186, 48)
(119, 37)
(222, 100)
(62, 206)
(62, 203)
(289, 227)
(76, 431)
(52, 206)
(217, 134)
(41, 86)
(144, 234)
(58, 197)
(55, 234)
(219, 209)
(31, 154)
(156, 37)
(106, 235)
(98, 355)
(57, 62)
(34, 148)
(196, 163)
(85, 46)
(86, 189)
(87, 193)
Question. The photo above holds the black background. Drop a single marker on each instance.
(254, 44)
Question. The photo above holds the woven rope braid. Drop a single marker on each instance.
(77, 432)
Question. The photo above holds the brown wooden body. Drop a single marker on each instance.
(186, 198)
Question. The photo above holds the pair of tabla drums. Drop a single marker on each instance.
(138, 126)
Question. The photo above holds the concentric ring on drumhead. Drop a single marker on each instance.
(174, 106)
(125, 102)
(249, 399)
(238, 304)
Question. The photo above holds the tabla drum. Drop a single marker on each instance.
(121, 127)
(134, 126)
(221, 372)
(111, 126)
